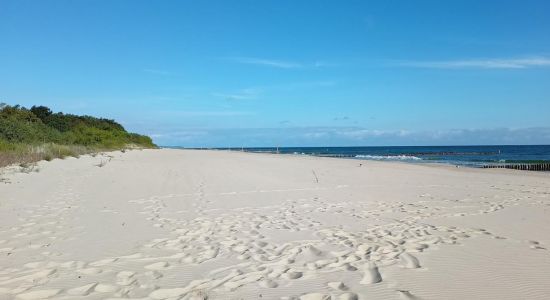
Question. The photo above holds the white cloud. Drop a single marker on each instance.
(186, 135)
(283, 64)
(268, 62)
(315, 135)
(362, 134)
(499, 63)
(244, 94)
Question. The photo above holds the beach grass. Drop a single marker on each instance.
(11, 154)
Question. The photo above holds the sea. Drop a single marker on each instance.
(473, 156)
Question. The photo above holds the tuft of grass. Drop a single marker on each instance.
(25, 155)
(28, 167)
(102, 163)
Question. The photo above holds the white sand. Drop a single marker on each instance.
(179, 224)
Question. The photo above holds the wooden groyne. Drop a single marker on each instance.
(517, 166)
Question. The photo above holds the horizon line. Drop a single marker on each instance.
(379, 146)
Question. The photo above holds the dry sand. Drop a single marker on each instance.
(181, 224)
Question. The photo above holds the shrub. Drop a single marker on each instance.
(27, 135)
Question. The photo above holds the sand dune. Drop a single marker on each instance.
(182, 224)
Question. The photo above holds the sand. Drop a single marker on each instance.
(183, 224)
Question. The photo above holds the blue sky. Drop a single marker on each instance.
(287, 73)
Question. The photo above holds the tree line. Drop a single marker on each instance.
(39, 125)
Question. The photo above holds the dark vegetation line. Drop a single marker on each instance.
(30, 135)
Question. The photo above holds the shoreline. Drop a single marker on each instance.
(412, 158)
(443, 165)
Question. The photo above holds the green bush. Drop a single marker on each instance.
(23, 130)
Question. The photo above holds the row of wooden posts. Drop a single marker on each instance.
(526, 167)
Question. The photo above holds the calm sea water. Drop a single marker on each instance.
(461, 155)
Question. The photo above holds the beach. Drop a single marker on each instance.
(198, 224)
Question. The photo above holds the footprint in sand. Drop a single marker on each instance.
(535, 245)
(293, 274)
(175, 293)
(348, 296)
(103, 262)
(84, 290)
(408, 261)
(349, 267)
(126, 278)
(39, 276)
(371, 274)
(337, 285)
(106, 288)
(90, 271)
(406, 295)
(154, 274)
(315, 296)
(158, 266)
(73, 264)
(269, 284)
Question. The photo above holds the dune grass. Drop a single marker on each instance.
(23, 154)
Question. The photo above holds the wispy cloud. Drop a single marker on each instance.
(156, 71)
(244, 94)
(206, 113)
(306, 84)
(344, 118)
(256, 92)
(320, 64)
(185, 135)
(267, 62)
(498, 63)
(282, 64)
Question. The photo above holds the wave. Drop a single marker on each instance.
(388, 157)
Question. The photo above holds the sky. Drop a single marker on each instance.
(287, 73)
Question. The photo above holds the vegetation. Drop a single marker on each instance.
(29, 135)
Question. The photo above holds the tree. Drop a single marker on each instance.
(42, 112)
